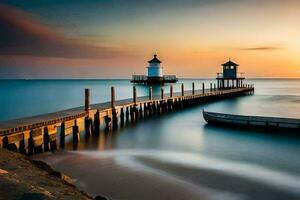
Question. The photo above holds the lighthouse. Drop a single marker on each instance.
(155, 74)
(155, 70)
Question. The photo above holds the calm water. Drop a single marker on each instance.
(175, 156)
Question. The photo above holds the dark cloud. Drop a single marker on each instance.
(260, 48)
(22, 34)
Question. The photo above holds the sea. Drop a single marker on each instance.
(177, 155)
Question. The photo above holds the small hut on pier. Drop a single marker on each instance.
(230, 77)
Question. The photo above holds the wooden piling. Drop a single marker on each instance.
(150, 93)
(122, 116)
(145, 111)
(149, 108)
(127, 114)
(46, 139)
(87, 126)
(134, 95)
(203, 88)
(87, 100)
(107, 121)
(30, 144)
(171, 91)
(114, 118)
(182, 89)
(62, 135)
(113, 98)
(22, 148)
(141, 111)
(76, 136)
(162, 93)
(193, 88)
(97, 122)
(132, 119)
(114, 111)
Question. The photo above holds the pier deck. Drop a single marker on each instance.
(21, 133)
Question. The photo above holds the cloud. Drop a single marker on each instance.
(260, 48)
(22, 34)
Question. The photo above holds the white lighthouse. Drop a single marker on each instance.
(155, 74)
(154, 68)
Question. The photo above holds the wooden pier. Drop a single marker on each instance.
(48, 131)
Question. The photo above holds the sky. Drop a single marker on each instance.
(115, 38)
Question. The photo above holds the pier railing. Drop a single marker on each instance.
(143, 78)
(39, 133)
(170, 77)
(238, 75)
(139, 78)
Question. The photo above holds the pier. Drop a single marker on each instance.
(47, 132)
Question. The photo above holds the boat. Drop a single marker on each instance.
(252, 121)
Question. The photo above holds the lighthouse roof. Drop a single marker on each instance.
(230, 63)
(154, 59)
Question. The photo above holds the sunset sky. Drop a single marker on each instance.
(115, 38)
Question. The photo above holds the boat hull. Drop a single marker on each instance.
(253, 121)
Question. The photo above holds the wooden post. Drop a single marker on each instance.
(141, 111)
(46, 139)
(193, 88)
(87, 127)
(97, 122)
(122, 115)
(203, 88)
(22, 148)
(113, 106)
(115, 118)
(150, 93)
(171, 91)
(210, 87)
(134, 95)
(158, 108)
(87, 100)
(162, 93)
(62, 135)
(127, 114)
(107, 120)
(113, 98)
(132, 114)
(145, 111)
(76, 136)
(182, 89)
(30, 144)
(215, 87)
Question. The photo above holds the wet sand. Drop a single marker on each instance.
(141, 177)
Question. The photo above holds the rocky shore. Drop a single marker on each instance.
(23, 178)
